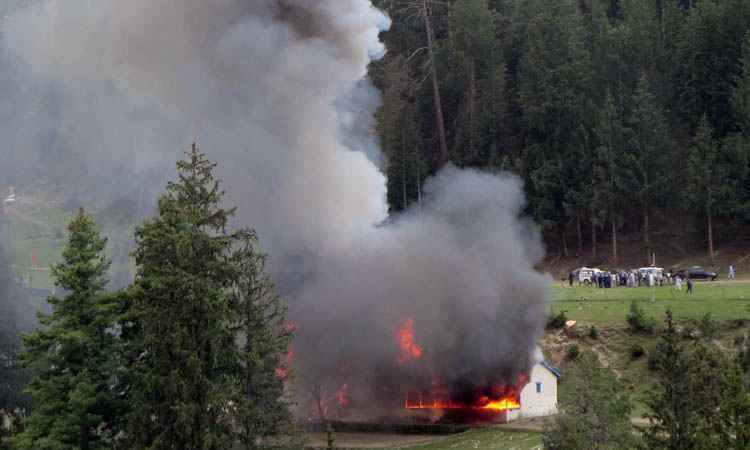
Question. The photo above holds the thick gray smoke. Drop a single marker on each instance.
(107, 93)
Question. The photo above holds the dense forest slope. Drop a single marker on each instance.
(624, 117)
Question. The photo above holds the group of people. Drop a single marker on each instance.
(635, 278)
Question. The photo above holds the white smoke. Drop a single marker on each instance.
(276, 92)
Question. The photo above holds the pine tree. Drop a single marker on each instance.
(707, 183)
(207, 327)
(595, 411)
(741, 95)
(608, 176)
(182, 383)
(72, 355)
(261, 407)
(475, 49)
(699, 400)
(648, 151)
(672, 414)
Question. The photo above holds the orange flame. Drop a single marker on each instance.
(282, 371)
(507, 398)
(342, 396)
(501, 405)
(410, 350)
(487, 405)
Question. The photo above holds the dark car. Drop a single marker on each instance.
(697, 273)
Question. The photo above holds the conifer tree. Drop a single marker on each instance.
(648, 150)
(699, 400)
(72, 355)
(706, 177)
(595, 411)
(207, 325)
(261, 407)
(672, 414)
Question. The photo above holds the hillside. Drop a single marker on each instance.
(719, 308)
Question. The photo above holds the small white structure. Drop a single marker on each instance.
(539, 396)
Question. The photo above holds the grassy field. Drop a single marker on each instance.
(494, 438)
(485, 438)
(727, 302)
(608, 307)
(36, 237)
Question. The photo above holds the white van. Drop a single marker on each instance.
(657, 272)
(585, 275)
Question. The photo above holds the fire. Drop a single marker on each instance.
(282, 371)
(410, 350)
(501, 405)
(342, 396)
(486, 405)
(504, 398)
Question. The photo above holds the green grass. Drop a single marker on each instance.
(608, 307)
(607, 310)
(485, 438)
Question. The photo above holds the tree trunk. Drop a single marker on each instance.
(614, 241)
(579, 233)
(593, 240)
(563, 241)
(442, 157)
(84, 432)
(710, 235)
(646, 238)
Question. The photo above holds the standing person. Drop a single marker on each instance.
(570, 279)
(678, 282)
(732, 273)
(689, 286)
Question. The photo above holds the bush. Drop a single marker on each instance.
(573, 352)
(638, 321)
(593, 332)
(707, 326)
(637, 351)
(556, 321)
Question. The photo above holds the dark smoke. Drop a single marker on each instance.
(106, 93)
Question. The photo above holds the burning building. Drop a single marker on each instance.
(535, 396)
(277, 92)
(415, 386)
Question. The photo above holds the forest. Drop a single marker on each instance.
(622, 117)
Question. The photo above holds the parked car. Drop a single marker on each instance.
(697, 273)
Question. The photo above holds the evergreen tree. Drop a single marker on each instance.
(608, 173)
(672, 414)
(736, 146)
(594, 410)
(648, 152)
(261, 407)
(707, 182)
(741, 94)
(205, 325)
(699, 400)
(476, 50)
(72, 355)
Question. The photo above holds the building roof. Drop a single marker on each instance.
(554, 371)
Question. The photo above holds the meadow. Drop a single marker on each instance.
(724, 300)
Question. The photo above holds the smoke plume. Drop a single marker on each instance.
(105, 94)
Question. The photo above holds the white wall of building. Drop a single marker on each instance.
(543, 403)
